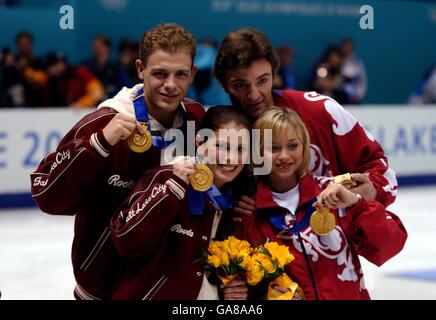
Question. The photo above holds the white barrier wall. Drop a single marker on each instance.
(26, 136)
(408, 135)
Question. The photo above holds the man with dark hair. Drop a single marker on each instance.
(246, 65)
(96, 164)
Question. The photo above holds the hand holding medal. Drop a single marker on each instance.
(322, 221)
(202, 179)
(140, 142)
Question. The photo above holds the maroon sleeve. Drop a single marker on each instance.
(145, 217)
(65, 177)
(377, 234)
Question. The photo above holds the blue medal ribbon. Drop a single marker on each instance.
(220, 201)
(277, 219)
(141, 113)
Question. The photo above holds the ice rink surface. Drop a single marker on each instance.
(35, 252)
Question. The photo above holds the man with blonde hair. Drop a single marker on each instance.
(100, 159)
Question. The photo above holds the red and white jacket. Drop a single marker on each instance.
(366, 229)
(162, 240)
(88, 178)
(339, 143)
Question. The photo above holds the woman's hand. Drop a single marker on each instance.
(183, 167)
(336, 196)
(235, 290)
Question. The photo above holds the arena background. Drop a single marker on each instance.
(35, 248)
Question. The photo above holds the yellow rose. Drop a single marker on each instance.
(214, 248)
(225, 261)
(279, 253)
(254, 272)
(265, 262)
(214, 261)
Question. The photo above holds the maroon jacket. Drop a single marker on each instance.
(366, 229)
(87, 178)
(162, 240)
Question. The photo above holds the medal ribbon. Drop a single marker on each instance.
(141, 113)
(219, 201)
(277, 219)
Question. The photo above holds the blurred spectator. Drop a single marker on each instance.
(327, 78)
(128, 52)
(353, 73)
(11, 82)
(71, 86)
(205, 88)
(105, 70)
(425, 92)
(10, 3)
(285, 78)
(30, 70)
(204, 60)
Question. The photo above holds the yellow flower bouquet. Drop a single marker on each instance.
(233, 257)
(228, 258)
(268, 262)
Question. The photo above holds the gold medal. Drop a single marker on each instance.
(202, 179)
(140, 142)
(345, 180)
(322, 221)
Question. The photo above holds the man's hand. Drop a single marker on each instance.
(120, 128)
(244, 207)
(364, 186)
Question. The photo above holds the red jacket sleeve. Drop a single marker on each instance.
(144, 217)
(375, 233)
(67, 176)
(355, 148)
(358, 151)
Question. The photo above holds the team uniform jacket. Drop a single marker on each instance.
(161, 239)
(88, 178)
(328, 264)
(339, 144)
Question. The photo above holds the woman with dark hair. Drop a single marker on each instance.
(173, 214)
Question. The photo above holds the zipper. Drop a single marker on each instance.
(312, 278)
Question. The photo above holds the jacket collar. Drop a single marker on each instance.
(308, 189)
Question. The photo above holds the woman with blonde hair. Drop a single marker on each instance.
(325, 244)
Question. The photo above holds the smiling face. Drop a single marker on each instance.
(251, 88)
(288, 152)
(286, 156)
(226, 154)
(167, 77)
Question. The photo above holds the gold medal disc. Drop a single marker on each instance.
(140, 142)
(322, 221)
(202, 179)
(345, 180)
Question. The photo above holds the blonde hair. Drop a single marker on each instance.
(169, 37)
(280, 120)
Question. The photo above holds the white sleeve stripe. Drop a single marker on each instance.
(176, 189)
(97, 146)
